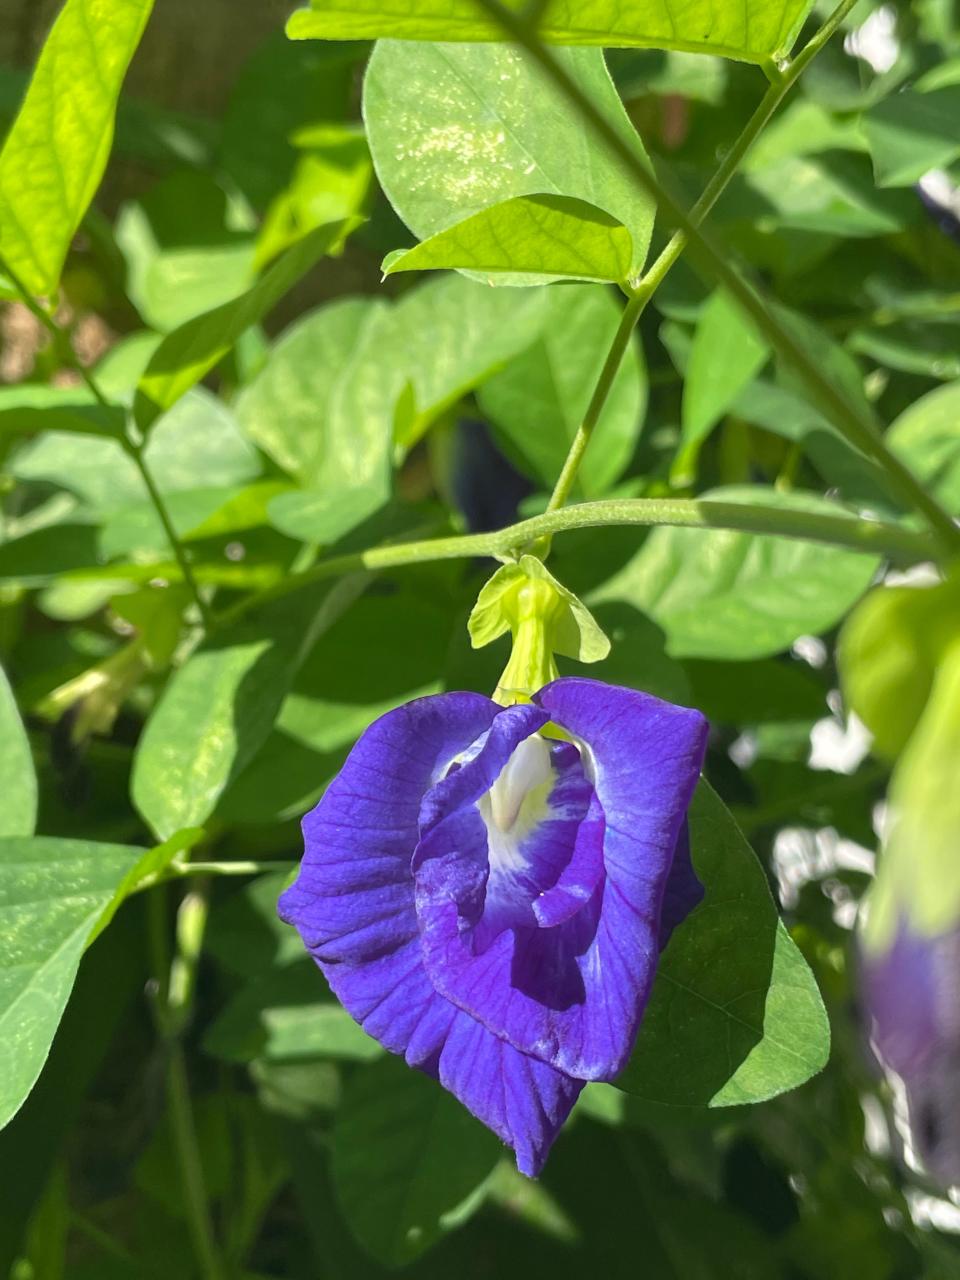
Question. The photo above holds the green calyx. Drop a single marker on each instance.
(543, 618)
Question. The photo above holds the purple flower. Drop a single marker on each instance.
(491, 903)
(912, 997)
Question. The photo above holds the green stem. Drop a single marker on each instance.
(873, 537)
(236, 868)
(859, 429)
(568, 475)
(654, 276)
(174, 1001)
(136, 452)
(134, 449)
(191, 1168)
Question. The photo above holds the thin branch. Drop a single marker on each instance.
(858, 428)
(872, 537)
(654, 276)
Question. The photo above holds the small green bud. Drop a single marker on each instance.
(544, 619)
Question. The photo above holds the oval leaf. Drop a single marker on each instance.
(56, 151)
(735, 1016)
(553, 236)
(454, 129)
(407, 1160)
(52, 895)
(752, 31)
(722, 594)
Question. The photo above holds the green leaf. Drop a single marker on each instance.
(890, 649)
(31, 408)
(925, 436)
(281, 1016)
(321, 407)
(52, 894)
(538, 400)
(448, 337)
(324, 515)
(191, 351)
(146, 871)
(918, 879)
(197, 438)
(911, 133)
(726, 354)
(754, 31)
(408, 1160)
(188, 246)
(723, 594)
(454, 129)
(18, 779)
(735, 1016)
(553, 236)
(217, 710)
(342, 687)
(57, 148)
(332, 180)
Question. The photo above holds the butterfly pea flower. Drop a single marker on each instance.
(487, 888)
(910, 938)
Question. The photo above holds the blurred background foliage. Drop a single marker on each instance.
(321, 1156)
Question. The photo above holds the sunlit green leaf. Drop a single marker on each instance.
(918, 879)
(925, 436)
(890, 649)
(219, 707)
(538, 400)
(321, 407)
(735, 1015)
(456, 128)
(724, 594)
(727, 352)
(52, 894)
(189, 352)
(18, 780)
(188, 246)
(57, 148)
(753, 31)
(553, 236)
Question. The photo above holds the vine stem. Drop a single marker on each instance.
(175, 983)
(641, 294)
(134, 448)
(859, 429)
(873, 537)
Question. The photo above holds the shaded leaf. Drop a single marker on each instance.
(726, 354)
(408, 1160)
(539, 399)
(735, 1016)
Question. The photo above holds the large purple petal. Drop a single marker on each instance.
(353, 898)
(522, 1100)
(573, 995)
